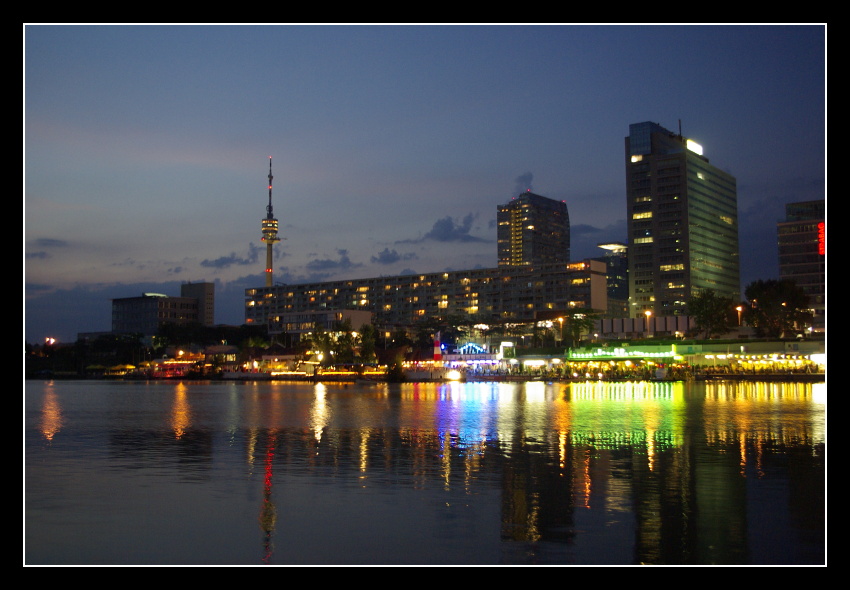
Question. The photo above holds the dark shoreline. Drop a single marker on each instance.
(767, 377)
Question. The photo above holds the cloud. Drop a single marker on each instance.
(446, 230)
(387, 256)
(233, 259)
(327, 264)
(45, 244)
(523, 183)
(583, 229)
(50, 243)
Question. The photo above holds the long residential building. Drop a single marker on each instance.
(507, 293)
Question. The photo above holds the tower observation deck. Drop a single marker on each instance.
(269, 226)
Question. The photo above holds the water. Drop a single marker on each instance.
(208, 473)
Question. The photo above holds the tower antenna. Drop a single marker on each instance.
(269, 227)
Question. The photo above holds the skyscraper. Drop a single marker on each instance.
(802, 253)
(682, 217)
(533, 230)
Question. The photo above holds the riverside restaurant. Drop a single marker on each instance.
(641, 361)
(669, 361)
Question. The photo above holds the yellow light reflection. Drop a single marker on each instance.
(51, 414)
(180, 411)
(364, 451)
(319, 413)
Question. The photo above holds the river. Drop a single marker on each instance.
(286, 473)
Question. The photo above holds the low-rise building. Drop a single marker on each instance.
(147, 313)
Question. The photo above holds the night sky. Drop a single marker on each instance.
(146, 148)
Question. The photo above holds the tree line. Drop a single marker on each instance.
(774, 309)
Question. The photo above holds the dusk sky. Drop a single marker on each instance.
(146, 148)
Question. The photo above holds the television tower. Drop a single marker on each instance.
(269, 230)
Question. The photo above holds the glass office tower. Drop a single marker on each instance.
(802, 253)
(682, 223)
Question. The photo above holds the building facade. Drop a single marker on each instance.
(146, 314)
(616, 262)
(298, 323)
(802, 253)
(205, 294)
(510, 293)
(682, 217)
(533, 230)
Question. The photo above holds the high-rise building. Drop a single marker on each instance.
(205, 294)
(534, 277)
(682, 217)
(617, 269)
(802, 253)
(533, 230)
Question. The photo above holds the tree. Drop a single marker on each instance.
(578, 322)
(343, 342)
(776, 308)
(368, 342)
(712, 314)
(320, 342)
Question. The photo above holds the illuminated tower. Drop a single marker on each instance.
(533, 230)
(269, 230)
(682, 223)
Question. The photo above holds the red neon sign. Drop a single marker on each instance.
(822, 238)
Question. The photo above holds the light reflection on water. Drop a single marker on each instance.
(424, 473)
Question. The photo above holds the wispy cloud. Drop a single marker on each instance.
(50, 243)
(447, 230)
(523, 183)
(232, 259)
(42, 246)
(327, 264)
(387, 256)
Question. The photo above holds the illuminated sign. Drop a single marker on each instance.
(694, 146)
(822, 238)
(471, 348)
(621, 352)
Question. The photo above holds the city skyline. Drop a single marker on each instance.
(146, 147)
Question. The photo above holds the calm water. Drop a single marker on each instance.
(476, 473)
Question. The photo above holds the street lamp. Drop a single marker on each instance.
(740, 309)
(647, 313)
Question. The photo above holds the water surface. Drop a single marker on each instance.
(207, 473)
